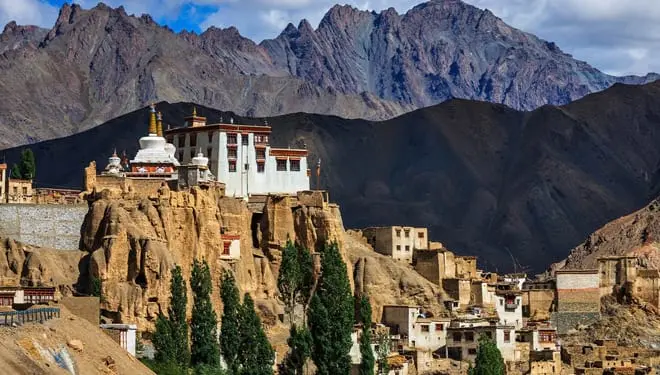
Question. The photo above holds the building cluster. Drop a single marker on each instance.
(21, 191)
(522, 316)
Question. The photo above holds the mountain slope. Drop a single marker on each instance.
(93, 64)
(438, 50)
(486, 179)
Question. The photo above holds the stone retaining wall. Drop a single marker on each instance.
(46, 225)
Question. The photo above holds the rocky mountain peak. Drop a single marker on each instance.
(304, 27)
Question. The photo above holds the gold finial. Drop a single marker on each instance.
(194, 111)
(153, 129)
(159, 127)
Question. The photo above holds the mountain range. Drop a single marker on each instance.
(95, 64)
(517, 188)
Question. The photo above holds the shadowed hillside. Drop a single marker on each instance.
(486, 179)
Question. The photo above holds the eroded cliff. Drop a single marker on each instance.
(134, 239)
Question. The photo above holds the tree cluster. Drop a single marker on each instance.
(242, 344)
(328, 306)
(27, 167)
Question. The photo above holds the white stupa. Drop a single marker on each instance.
(155, 156)
(114, 167)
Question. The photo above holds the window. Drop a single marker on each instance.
(225, 248)
(15, 190)
(295, 165)
(261, 153)
(407, 232)
(425, 327)
(193, 139)
(281, 164)
(469, 336)
(420, 235)
(456, 337)
(261, 167)
(439, 327)
(472, 351)
(24, 190)
(231, 153)
(407, 248)
(232, 166)
(398, 247)
(244, 139)
(398, 232)
(507, 336)
(501, 302)
(260, 138)
(231, 139)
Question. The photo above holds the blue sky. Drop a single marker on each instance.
(616, 36)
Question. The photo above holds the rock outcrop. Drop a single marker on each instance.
(636, 234)
(134, 239)
(27, 265)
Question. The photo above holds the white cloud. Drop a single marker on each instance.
(618, 37)
(27, 12)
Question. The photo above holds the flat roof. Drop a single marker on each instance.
(576, 271)
(237, 128)
(402, 306)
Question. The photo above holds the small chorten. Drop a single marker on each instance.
(114, 165)
(200, 160)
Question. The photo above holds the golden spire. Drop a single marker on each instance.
(194, 111)
(152, 120)
(159, 127)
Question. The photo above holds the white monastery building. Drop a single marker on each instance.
(241, 157)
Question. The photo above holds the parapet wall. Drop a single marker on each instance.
(45, 225)
(578, 299)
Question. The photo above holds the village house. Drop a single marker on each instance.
(545, 362)
(508, 304)
(21, 296)
(539, 298)
(241, 156)
(123, 334)
(19, 191)
(416, 330)
(578, 299)
(398, 364)
(605, 356)
(435, 265)
(541, 336)
(463, 339)
(397, 242)
(622, 274)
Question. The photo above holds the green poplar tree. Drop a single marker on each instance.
(203, 325)
(307, 278)
(162, 340)
(489, 359)
(28, 164)
(177, 318)
(256, 355)
(300, 344)
(16, 172)
(331, 314)
(289, 279)
(171, 336)
(367, 353)
(230, 334)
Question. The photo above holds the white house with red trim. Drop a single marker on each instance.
(231, 246)
(241, 157)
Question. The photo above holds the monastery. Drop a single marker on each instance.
(239, 157)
